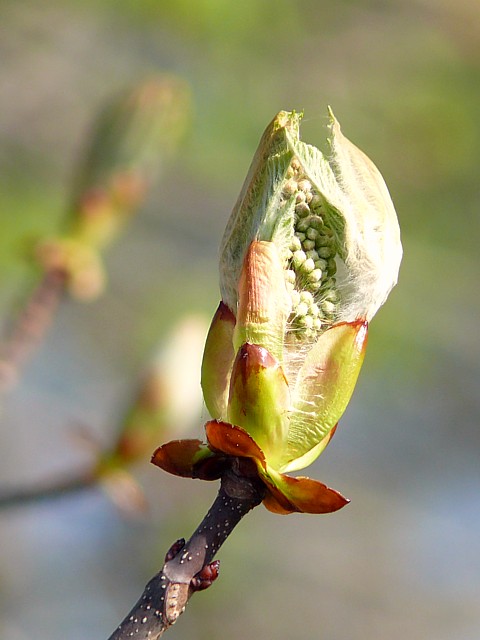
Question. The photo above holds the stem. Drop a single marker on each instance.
(30, 327)
(45, 491)
(167, 593)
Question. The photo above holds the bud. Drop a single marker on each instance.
(310, 253)
(80, 263)
(167, 403)
(169, 398)
(133, 136)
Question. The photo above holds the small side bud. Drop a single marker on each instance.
(174, 549)
(206, 577)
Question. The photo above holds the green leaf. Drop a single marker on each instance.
(255, 215)
(218, 358)
(323, 389)
(260, 399)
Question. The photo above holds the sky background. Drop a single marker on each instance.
(403, 559)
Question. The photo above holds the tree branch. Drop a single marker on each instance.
(55, 488)
(189, 567)
(30, 327)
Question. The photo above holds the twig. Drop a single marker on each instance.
(30, 327)
(188, 566)
(56, 488)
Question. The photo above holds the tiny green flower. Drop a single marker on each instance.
(311, 251)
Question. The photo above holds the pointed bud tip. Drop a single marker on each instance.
(253, 357)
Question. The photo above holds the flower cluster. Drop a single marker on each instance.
(310, 274)
(310, 253)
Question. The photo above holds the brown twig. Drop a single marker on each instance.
(188, 566)
(30, 327)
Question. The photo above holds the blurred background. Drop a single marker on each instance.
(403, 559)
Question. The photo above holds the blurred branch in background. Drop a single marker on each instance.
(133, 137)
(168, 402)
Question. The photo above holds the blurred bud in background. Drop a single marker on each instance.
(135, 134)
(133, 137)
(168, 403)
